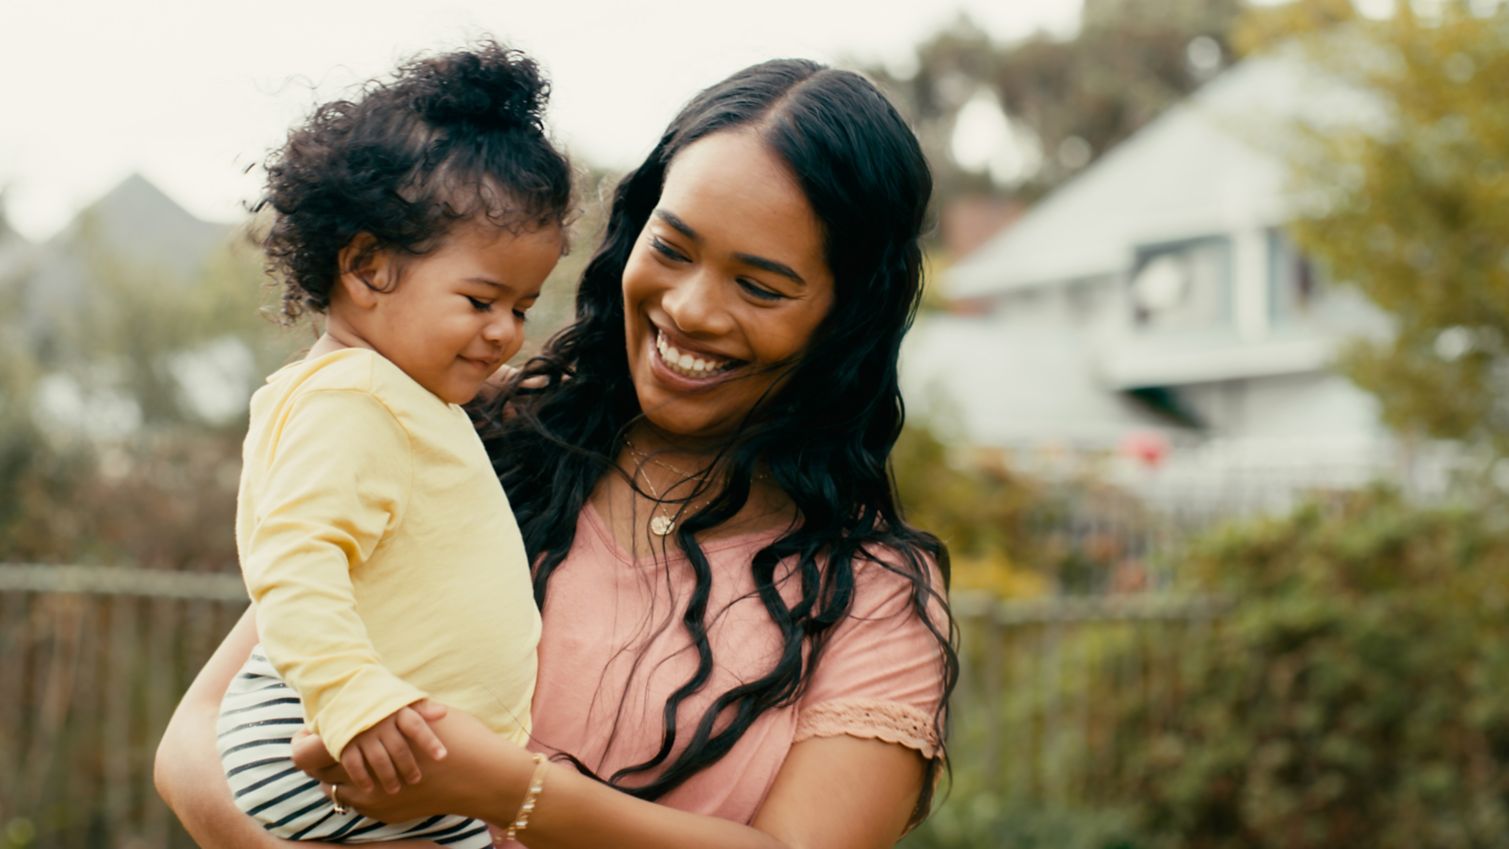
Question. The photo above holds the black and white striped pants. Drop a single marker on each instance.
(257, 721)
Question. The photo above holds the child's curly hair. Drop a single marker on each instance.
(451, 137)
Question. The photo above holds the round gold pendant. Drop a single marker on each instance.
(661, 525)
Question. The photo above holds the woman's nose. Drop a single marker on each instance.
(695, 304)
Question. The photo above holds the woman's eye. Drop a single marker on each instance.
(479, 305)
(666, 250)
(759, 291)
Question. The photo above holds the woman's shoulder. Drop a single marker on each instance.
(883, 670)
(888, 577)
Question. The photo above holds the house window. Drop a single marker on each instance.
(1182, 286)
(1293, 283)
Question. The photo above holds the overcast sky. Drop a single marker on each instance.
(191, 92)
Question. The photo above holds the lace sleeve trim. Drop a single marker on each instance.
(871, 719)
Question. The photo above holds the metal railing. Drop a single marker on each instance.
(1043, 684)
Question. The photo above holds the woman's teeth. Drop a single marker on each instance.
(689, 365)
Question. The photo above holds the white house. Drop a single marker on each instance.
(1156, 297)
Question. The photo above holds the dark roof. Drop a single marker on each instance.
(134, 226)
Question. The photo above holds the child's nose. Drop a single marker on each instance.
(499, 331)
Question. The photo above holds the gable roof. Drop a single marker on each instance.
(134, 225)
(1210, 164)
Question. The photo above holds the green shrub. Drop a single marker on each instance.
(1357, 695)
(983, 820)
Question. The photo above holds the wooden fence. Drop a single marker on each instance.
(92, 661)
(1043, 685)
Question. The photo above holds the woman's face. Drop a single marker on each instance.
(724, 288)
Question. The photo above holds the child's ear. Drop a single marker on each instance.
(365, 270)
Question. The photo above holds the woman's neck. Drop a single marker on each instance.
(672, 478)
(691, 453)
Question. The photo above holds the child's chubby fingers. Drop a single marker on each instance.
(429, 710)
(401, 753)
(411, 723)
(380, 762)
(355, 764)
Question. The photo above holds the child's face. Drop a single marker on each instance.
(457, 312)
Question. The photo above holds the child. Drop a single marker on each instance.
(385, 564)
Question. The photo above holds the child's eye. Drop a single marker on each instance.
(759, 291)
(479, 305)
(520, 315)
(666, 250)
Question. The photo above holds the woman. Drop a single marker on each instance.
(738, 625)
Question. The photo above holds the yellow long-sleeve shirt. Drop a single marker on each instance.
(381, 553)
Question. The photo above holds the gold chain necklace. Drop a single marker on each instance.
(660, 525)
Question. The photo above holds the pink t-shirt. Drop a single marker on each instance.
(613, 648)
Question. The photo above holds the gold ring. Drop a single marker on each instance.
(335, 802)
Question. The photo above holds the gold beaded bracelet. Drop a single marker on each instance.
(536, 784)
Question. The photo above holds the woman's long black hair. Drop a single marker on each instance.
(824, 437)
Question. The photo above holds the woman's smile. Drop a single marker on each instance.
(724, 288)
(687, 361)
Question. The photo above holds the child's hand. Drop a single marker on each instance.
(385, 751)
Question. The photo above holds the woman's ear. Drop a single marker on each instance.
(365, 271)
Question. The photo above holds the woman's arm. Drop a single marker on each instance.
(833, 793)
(843, 792)
(187, 770)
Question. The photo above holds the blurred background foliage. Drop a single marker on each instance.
(1332, 677)
(106, 456)
(1071, 99)
(1353, 695)
(1415, 216)
(1356, 694)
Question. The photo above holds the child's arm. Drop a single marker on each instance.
(831, 792)
(333, 485)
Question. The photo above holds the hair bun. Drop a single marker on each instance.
(487, 86)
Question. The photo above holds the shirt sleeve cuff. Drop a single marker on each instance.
(871, 719)
(372, 695)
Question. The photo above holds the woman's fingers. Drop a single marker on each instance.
(362, 801)
(331, 775)
(310, 754)
(411, 723)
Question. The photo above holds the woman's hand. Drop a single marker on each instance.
(495, 382)
(471, 780)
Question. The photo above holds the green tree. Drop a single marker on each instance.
(132, 465)
(1414, 213)
(1076, 98)
(556, 306)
